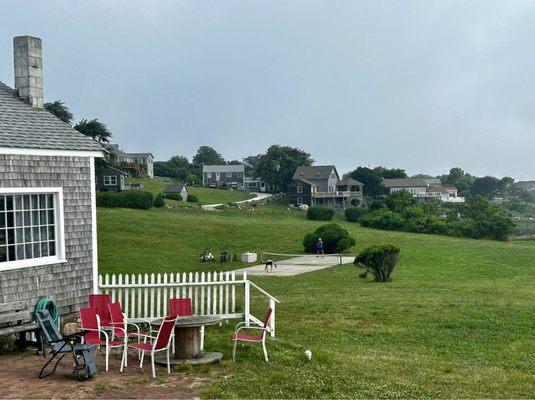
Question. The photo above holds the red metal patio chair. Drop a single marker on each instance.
(120, 323)
(100, 303)
(243, 337)
(90, 322)
(160, 342)
(180, 307)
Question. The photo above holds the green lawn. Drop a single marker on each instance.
(205, 195)
(457, 321)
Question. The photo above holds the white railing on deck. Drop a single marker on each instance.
(146, 296)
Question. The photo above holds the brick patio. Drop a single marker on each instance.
(19, 376)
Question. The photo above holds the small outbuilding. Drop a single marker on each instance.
(111, 180)
(179, 188)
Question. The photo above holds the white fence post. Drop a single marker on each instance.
(247, 299)
(272, 319)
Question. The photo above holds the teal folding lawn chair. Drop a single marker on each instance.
(84, 355)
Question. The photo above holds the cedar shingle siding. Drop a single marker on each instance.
(70, 283)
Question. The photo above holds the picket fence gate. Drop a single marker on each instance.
(146, 296)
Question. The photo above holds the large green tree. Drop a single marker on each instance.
(460, 179)
(60, 110)
(94, 129)
(372, 181)
(207, 155)
(278, 164)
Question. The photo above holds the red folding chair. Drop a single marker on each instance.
(90, 322)
(243, 337)
(120, 323)
(180, 307)
(100, 303)
(160, 342)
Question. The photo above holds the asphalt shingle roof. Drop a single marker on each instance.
(404, 182)
(224, 168)
(314, 172)
(22, 126)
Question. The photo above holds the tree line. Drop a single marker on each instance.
(277, 165)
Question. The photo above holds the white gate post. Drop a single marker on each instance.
(272, 319)
(247, 295)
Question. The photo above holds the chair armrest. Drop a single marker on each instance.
(143, 335)
(251, 327)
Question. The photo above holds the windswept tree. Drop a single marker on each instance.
(278, 164)
(460, 179)
(207, 155)
(94, 129)
(60, 110)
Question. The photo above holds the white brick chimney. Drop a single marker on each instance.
(28, 63)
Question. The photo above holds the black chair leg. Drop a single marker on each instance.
(54, 355)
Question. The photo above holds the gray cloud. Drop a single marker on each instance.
(416, 84)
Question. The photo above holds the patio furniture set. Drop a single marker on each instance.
(104, 325)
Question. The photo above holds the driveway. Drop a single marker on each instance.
(258, 197)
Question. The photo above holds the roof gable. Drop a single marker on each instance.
(23, 126)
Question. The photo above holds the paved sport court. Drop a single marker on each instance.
(297, 265)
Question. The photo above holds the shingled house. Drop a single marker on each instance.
(321, 185)
(48, 231)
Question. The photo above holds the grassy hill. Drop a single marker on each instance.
(205, 195)
(457, 321)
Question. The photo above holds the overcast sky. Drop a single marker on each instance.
(421, 85)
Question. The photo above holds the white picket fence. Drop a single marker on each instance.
(146, 296)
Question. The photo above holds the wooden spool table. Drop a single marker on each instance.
(188, 341)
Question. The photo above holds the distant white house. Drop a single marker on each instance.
(423, 189)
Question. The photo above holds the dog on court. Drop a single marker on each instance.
(269, 266)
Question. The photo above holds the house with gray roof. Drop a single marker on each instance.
(226, 176)
(321, 185)
(137, 165)
(423, 189)
(48, 228)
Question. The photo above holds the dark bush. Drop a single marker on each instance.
(192, 198)
(159, 201)
(380, 260)
(173, 196)
(335, 239)
(353, 214)
(383, 219)
(376, 204)
(399, 201)
(320, 213)
(131, 199)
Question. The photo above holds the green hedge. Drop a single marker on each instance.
(379, 259)
(192, 198)
(335, 239)
(173, 196)
(320, 213)
(159, 201)
(353, 214)
(131, 199)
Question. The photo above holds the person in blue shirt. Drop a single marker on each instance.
(319, 248)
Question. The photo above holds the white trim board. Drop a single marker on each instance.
(50, 152)
(94, 224)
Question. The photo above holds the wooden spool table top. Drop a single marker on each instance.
(193, 321)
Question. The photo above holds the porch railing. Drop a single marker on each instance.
(146, 296)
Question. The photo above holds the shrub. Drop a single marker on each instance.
(399, 201)
(173, 196)
(131, 199)
(379, 259)
(159, 201)
(192, 198)
(320, 213)
(376, 204)
(352, 214)
(335, 239)
(383, 219)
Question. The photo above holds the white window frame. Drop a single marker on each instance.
(229, 174)
(111, 178)
(299, 201)
(299, 189)
(59, 232)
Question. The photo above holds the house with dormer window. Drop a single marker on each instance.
(321, 185)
